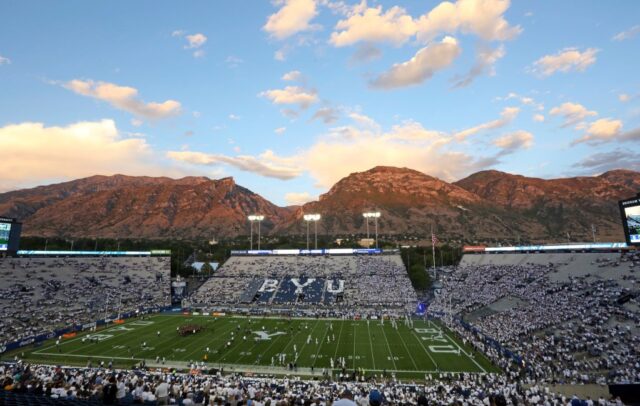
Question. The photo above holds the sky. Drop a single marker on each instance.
(290, 96)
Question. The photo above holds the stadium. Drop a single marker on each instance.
(506, 323)
(319, 203)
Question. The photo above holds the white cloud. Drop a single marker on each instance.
(233, 61)
(234, 117)
(572, 113)
(293, 76)
(291, 95)
(136, 122)
(485, 61)
(298, 199)
(426, 62)
(507, 115)
(195, 40)
(4, 60)
(602, 130)
(327, 115)
(280, 130)
(360, 147)
(604, 161)
(566, 60)
(484, 18)
(623, 97)
(267, 164)
(366, 53)
(525, 100)
(628, 34)
(294, 16)
(514, 141)
(280, 55)
(364, 121)
(406, 145)
(37, 154)
(124, 98)
(371, 24)
(538, 118)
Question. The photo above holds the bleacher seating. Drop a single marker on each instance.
(38, 295)
(333, 281)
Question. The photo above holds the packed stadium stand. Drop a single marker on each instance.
(546, 320)
(346, 281)
(39, 295)
(571, 318)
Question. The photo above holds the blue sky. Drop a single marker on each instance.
(292, 95)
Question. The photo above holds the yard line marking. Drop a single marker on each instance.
(354, 346)
(250, 352)
(321, 344)
(373, 358)
(335, 355)
(205, 338)
(289, 342)
(468, 356)
(389, 347)
(138, 331)
(234, 346)
(425, 349)
(81, 335)
(407, 348)
(305, 343)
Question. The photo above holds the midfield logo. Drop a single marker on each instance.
(264, 336)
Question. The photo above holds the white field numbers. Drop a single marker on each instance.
(434, 335)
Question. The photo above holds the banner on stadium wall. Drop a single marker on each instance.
(86, 253)
(474, 248)
(323, 251)
(560, 247)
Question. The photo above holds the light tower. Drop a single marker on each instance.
(315, 218)
(252, 218)
(375, 215)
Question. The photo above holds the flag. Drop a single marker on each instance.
(421, 308)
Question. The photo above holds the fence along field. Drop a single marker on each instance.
(256, 345)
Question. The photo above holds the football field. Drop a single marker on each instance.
(257, 344)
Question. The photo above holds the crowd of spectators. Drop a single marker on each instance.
(39, 295)
(166, 387)
(238, 280)
(582, 330)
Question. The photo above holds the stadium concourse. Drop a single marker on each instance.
(553, 323)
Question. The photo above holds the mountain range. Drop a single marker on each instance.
(485, 206)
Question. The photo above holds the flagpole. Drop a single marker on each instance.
(433, 248)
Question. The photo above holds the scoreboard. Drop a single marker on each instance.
(630, 212)
(10, 231)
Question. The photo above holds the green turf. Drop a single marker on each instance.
(409, 352)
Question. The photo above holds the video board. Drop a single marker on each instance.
(5, 236)
(630, 213)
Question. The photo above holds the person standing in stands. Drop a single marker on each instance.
(109, 392)
(120, 389)
(162, 392)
